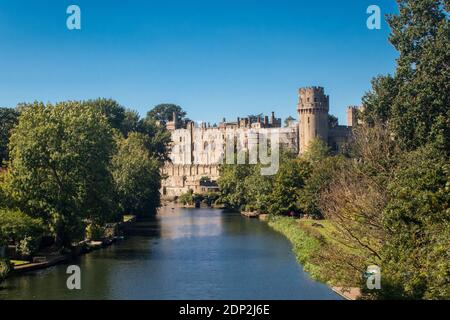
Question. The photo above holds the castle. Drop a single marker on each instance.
(197, 149)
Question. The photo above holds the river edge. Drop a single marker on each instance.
(303, 245)
(80, 249)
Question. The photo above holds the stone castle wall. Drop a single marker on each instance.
(198, 150)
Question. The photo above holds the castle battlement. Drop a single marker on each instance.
(198, 148)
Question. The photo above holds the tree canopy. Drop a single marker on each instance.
(136, 175)
(164, 112)
(59, 168)
(414, 103)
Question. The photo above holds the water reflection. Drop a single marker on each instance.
(187, 223)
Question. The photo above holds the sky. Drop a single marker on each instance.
(216, 58)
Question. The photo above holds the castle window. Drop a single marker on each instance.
(307, 99)
(181, 139)
(308, 120)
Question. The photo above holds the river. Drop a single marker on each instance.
(182, 254)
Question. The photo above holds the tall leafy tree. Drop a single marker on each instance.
(232, 184)
(415, 102)
(287, 183)
(164, 112)
(158, 138)
(136, 175)
(323, 168)
(416, 256)
(131, 122)
(112, 110)
(354, 200)
(378, 102)
(59, 167)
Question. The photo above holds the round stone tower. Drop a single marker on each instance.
(313, 107)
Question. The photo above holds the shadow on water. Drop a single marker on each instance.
(182, 254)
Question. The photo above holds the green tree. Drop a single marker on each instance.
(8, 119)
(416, 257)
(288, 181)
(5, 268)
(164, 112)
(158, 138)
(378, 102)
(59, 168)
(131, 122)
(211, 198)
(136, 175)
(316, 151)
(354, 200)
(111, 109)
(232, 185)
(322, 173)
(21, 230)
(187, 198)
(258, 191)
(415, 102)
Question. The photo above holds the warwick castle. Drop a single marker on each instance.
(197, 149)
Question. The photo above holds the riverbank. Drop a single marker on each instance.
(50, 258)
(307, 241)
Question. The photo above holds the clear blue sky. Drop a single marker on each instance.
(215, 58)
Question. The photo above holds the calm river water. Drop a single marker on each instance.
(182, 254)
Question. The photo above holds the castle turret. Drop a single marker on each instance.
(175, 119)
(173, 125)
(352, 115)
(313, 107)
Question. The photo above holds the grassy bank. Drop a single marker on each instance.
(308, 238)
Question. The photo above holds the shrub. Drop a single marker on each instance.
(95, 231)
(5, 269)
(186, 198)
(20, 229)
